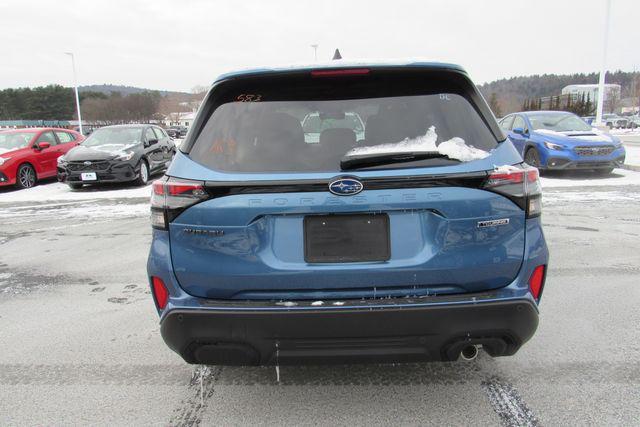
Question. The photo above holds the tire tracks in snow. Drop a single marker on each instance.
(200, 391)
(508, 404)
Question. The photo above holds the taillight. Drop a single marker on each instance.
(520, 184)
(536, 282)
(171, 196)
(160, 292)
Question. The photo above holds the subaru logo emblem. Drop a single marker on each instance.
(345, 186)
(87, 163)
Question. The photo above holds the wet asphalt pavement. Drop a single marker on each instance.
(80, 341)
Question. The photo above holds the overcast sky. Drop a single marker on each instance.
(176, 45)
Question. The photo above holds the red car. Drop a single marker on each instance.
(27, 155)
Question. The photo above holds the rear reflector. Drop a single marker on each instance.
(336, 73)
(537, 281)
(160, 292)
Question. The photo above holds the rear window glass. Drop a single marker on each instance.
(314, 135)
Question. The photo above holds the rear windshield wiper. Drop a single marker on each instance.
(376, 159)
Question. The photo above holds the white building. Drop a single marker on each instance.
(179, 119)
(591, 91)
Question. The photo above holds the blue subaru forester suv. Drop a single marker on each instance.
(417, 239)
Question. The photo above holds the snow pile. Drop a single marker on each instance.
(454, 148)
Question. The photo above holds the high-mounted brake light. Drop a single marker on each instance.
(519, 184)
(536, 282)
(160, 292)
(342, 72)
(171, 196)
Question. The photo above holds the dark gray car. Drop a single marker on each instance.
(122, 153)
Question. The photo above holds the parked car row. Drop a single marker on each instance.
(122, 153)
(177, 132)
(613, 121)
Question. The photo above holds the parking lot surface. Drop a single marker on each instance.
(81, 345)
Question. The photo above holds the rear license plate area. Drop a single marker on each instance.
(346, 238)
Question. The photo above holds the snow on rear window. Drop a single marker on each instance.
(454, 148)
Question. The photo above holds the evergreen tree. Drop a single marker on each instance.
(588, 106)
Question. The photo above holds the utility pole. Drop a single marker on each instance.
(75, 84)
(603, 69)
(315, 52)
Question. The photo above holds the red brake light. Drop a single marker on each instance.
(507, 178)
(342, 72)
(537, 281)
(160, 292)
(158, 187)
(519, 184)
(171, 196)
(179, 188)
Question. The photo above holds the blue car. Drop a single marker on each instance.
(557, 140)
(419, 240)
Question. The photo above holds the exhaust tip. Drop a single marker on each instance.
(469, 352)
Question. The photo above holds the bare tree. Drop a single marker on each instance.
(613, 101)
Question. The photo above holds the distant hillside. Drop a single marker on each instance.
(512, 92)
(124, 90)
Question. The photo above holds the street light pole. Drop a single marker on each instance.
(315, 52)
(75, 83)
(603, 69)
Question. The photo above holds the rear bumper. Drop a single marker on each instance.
(393, 330)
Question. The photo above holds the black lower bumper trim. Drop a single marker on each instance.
(390, 334)
(565, 164)
(124, 173)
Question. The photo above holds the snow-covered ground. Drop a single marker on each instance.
(633, 155)
(619, 132)
(57, 191)
(85, 209)
(589, 179)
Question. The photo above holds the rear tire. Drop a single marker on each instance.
(143, 176)
(74, 185)
(26, 176)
